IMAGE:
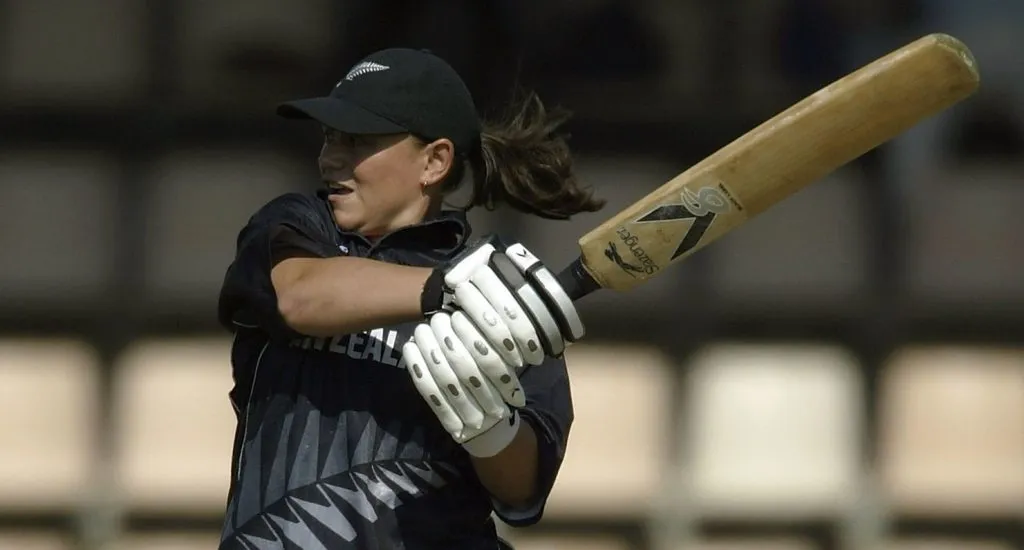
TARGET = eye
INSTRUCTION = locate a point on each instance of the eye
(331, 135)
(357, 144)
(360, 142)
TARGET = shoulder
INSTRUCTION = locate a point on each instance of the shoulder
(304, 215)
(290, 207)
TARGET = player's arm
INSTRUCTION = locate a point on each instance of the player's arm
(321, 296)
(343, 295)
(513, 428)
(466, 363)
(287, 278)
(511, 475)
(520, 477)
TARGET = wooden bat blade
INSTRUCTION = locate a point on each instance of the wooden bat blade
(788, 152)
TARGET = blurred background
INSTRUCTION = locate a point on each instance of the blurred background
(846, 371)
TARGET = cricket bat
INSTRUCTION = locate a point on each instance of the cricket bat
(783, 155)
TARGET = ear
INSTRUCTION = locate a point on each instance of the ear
(439, 157)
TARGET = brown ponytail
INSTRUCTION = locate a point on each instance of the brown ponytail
(525, 163)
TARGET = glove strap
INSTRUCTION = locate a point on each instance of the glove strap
(494, 440)
(436, 294)
(433, 296)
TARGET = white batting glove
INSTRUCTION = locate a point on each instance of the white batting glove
(467, 383)
(513, 299)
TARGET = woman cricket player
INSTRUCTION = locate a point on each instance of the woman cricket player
(395, 382)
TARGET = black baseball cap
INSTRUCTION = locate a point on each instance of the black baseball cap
(394, 91)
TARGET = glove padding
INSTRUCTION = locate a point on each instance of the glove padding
(467, 383)
(511, 297)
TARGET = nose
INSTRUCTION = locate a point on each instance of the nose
(332, 161)
(331, 165)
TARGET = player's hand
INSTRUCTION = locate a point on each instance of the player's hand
(512, 298)
(467, 384)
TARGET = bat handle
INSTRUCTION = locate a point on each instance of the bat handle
(576, 280)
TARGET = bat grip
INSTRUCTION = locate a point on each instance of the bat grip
(576, 281)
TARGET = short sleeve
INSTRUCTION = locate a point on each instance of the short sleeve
(286, 242)
(290, 222)
(549, 412)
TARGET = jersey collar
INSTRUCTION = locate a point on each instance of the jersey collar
(439, 236)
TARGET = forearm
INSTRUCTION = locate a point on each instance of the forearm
(329, 296)
(511, 475)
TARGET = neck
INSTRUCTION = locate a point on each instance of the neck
(414, 214)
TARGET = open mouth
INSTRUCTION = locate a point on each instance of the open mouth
(334, 188)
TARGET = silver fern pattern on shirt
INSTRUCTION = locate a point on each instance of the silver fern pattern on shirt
(305, 501)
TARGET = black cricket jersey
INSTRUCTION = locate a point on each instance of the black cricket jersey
(334, 447)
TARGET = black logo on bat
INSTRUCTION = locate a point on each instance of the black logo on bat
(702, 207)
(613, 254)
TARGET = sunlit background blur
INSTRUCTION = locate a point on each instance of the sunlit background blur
(845, 372)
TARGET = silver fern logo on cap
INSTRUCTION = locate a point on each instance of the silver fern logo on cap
(365, 67)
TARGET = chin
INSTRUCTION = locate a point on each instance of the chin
(346, 221)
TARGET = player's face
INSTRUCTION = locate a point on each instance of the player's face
(375, 181)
